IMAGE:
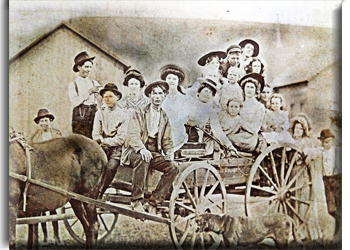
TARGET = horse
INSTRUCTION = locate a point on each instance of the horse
(73, 164)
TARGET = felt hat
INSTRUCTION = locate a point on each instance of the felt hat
(80, 59)
(176, 70)
(162, 84)
(43, 113)
(256, 77)
(326, 133)
(252, 42)
(111, 87)
(234, 48)
(133, 73)
(221, 54)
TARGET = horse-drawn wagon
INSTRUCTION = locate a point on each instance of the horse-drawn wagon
(275, 180)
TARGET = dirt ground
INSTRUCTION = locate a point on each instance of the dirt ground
(130, 233)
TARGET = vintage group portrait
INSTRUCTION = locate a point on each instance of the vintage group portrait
(175, 125)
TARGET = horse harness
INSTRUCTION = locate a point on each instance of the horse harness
(20, 138)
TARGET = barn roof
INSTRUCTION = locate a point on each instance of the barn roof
(67, 26)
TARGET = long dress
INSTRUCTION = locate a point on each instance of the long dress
(174, 106)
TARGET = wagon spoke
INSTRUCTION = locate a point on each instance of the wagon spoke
(213, 188)
(184, 206)
(308, 184)
(103, 222)
(216, 204)
(277, 206)
(290, 168)
(184, 219)
(202, 241)
(274, 169)
(294, 211)
(285, 207)
(300, 200)
(265, 190)
(189, 194)
(268, 177)
(195, 188)
(193, 238)
(74, 222)
(283, 164)
(185, 234)
(295, 178)
(204, 183)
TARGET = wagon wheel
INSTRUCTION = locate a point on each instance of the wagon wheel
(107, 222)
(285, 184)
(189, 199)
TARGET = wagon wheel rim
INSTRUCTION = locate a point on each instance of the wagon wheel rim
(188, 201)
(74, 227)
(288, 184)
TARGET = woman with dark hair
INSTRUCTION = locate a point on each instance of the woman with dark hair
(252, 111)
(265, 95)
(174, 102)
(202, 114)
(135, 83)
(255, 66)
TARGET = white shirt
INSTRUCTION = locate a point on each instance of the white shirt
(330, 162)
(113, 123)
(83, 96)
(153, 122)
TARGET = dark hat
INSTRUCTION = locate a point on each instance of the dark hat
(80, 59)
(326, 133)
(252, 42)
(43, 113)
(254, 76)
(133, 73)
(111, 87)
(162, 84)
(176, 70)
(221, 54)
(234, 48)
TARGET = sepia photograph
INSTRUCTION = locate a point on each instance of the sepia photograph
(175, 124)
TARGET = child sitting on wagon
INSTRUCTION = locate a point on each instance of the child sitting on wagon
(275, 124)
(238, 131)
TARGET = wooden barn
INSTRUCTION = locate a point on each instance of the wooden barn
(40, 73)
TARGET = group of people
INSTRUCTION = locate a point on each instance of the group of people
(230, 101)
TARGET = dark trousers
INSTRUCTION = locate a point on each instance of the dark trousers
(332, 186)
(113, 156)
(83, 120)
(140, 170)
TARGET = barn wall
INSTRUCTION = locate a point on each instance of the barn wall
(40, 77)
(318, 98)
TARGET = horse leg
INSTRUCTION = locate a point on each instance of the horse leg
(55, 228)
(80, 212)
(12, 226)
(44, 228)
(93, 225)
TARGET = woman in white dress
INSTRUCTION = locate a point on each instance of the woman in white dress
(174, 103)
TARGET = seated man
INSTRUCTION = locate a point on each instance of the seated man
(148, 137)
(109, 130)
(45, 132)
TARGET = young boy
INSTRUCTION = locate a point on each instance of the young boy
(231, 89)
(332, 178)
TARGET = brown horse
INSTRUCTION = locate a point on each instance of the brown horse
(73, 164)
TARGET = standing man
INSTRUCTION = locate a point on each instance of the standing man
(232, 60)
(332, 178)
(83, 94)
(149, 136)
(109, 130)
(44, 133)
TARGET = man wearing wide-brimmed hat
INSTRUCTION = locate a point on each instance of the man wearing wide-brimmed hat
(149, 145)
(45, 132)
(110, 129)
(83, 94)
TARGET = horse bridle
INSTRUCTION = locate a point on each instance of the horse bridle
(20, 138)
